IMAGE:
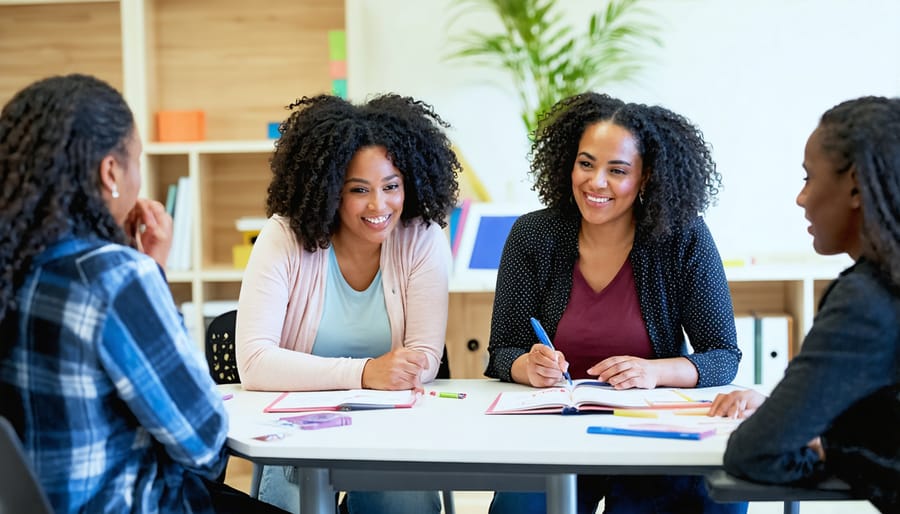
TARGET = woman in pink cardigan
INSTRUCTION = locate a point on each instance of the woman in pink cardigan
(347, 283)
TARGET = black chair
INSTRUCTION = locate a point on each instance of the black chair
(724, 487)
(220, 349)
(223, 368)
(20, 490)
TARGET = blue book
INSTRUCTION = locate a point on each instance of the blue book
(170, 199)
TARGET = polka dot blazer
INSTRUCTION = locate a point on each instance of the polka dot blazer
(680, 283)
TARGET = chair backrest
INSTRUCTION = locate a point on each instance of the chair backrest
(220, 349)
(20, 490)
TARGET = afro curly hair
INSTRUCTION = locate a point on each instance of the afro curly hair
(681, 177)
(322, 135)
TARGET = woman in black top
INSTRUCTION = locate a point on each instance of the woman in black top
(618, 267)
(837, 409)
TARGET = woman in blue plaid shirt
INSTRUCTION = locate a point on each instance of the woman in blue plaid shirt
(114, 405)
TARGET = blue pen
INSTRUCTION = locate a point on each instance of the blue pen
(545, 339)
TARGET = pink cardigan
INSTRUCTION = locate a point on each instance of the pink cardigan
(282, 296)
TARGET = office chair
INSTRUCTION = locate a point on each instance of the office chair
(220, 349)
(223, 369)
(20, 490)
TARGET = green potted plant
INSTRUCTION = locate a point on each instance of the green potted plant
(547, 59)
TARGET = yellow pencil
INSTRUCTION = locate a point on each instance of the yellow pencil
(703, 411)
(679, 393)
(635, 413)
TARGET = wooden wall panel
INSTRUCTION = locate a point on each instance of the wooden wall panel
(241, 62)
(38, 41)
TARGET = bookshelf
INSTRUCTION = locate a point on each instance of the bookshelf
(239, 63)
(242, 64)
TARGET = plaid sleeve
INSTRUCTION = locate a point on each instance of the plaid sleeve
(160, 374)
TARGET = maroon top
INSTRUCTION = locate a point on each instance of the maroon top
(597, 325)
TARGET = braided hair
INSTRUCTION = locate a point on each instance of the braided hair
(864, 134)
(319, 139)
(681, 177)
(53, 136)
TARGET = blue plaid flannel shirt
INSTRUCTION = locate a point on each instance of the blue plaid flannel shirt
(112, 399)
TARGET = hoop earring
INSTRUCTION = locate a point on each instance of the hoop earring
(641, 197)
(115, 191)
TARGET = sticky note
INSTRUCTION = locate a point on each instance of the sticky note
(337, 45)
(339, 87)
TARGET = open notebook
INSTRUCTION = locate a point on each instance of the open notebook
(590, 395)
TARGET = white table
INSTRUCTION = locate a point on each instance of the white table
(444, 443)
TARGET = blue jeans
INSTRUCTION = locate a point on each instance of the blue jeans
(625, 495)
(279, 487)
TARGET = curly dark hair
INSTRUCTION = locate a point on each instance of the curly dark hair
(864, 134)
(53, 136)
(324, 132)
(681, 177)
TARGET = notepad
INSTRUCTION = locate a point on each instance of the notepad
(588, 395)
(655, 430)
(343, 400)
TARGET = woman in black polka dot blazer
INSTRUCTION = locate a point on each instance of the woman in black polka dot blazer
(618, 267)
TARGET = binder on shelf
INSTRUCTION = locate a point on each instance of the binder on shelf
(774, 346)
(765, 344)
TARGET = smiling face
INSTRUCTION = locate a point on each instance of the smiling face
(830, 200)
(372, 198)
(607, 174)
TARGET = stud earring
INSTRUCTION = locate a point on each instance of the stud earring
(115, 191)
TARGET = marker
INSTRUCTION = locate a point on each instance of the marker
(679, 393)
(227, 397)
(635, 413)
(545, 339)
(458, 396)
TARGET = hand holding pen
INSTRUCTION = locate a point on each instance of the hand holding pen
(544, 365)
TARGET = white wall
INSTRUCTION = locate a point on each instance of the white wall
(754, 75)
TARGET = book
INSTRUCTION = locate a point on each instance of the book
(655, 430)
(457, 225)
(589, 395)
(170, 199)
(343, 400)
(180, 252)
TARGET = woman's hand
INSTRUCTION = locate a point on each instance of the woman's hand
(540, 367)
(736, 404)
(151, 226)
(626, 372)
(816, 445)
(396, 370)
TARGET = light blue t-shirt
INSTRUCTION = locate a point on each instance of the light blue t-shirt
(354, 323)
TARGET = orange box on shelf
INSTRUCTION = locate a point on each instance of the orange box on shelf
(180, 126)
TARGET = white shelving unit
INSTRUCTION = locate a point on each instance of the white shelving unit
(242, 65)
